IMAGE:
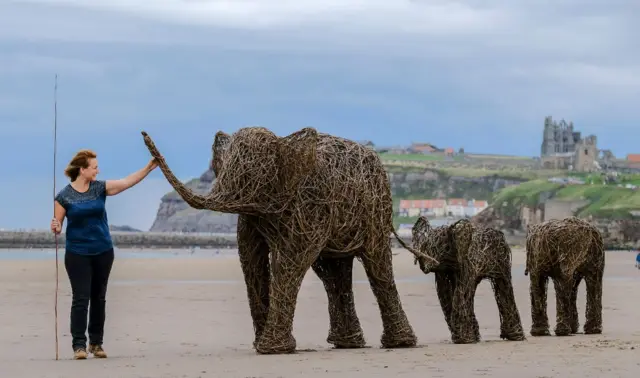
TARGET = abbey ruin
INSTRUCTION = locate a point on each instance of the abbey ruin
(564, 148)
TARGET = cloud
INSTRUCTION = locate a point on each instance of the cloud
(24, 63)
(436, 16)
(519, 59)
(475, 74)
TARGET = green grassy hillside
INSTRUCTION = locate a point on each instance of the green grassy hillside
(604, 200)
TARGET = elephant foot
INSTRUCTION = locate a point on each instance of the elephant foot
(466, 337)
(517, 335)
(285, 345)
(592, 329)
(465, 340)
(574, 328)
(257, 338)
(347, 340)
(562, 330)
(540, 331)
(402, 339)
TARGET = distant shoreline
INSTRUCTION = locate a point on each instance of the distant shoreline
(61, 249)
(133, 240)
(141, 241)
(123, 240)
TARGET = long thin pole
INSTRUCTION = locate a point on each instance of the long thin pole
(55, 134)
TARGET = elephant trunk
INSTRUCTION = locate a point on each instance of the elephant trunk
(192, 199)
(426, 262)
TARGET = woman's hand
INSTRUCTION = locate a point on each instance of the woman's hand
(55, 226)
(153, 164)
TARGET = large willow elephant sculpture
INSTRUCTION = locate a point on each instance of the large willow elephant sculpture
(307, 200)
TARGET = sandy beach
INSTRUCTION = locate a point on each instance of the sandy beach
(187, 316)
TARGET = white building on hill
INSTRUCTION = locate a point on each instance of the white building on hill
(474, 207)
(438, 208)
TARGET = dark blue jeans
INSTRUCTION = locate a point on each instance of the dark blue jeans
(89, 276)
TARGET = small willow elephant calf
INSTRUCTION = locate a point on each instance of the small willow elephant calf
(567, 251)
(467, 255)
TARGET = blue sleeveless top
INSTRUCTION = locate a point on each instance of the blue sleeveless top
(87, 230)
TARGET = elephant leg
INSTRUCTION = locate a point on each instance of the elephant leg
(538, 290)
(254, 260)
(445, 286)
(466, 329)
(510, 323)
(593, 324)
(378, 265)
(337, 276)
(474, 320)
(574, 320)
(288, 270)
(564, 288)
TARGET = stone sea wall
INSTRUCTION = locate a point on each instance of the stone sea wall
(157, 240)
(137, 240)
(134, 240)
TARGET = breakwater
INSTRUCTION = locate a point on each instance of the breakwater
(154, 240)
(122, 239)
(137, 240)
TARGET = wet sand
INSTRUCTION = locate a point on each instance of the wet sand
(188, 316)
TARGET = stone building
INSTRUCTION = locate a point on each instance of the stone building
(564, 148)
(586, 155)
(558, 137)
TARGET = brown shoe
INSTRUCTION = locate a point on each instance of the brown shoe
(80, 354)
(97, 351)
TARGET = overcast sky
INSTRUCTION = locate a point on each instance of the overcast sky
(475, 74)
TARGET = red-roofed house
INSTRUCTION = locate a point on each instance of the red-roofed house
(633, 158)
(414, 208)
(423, 148)
(455, 207)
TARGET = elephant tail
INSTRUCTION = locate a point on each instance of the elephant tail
(416, 253)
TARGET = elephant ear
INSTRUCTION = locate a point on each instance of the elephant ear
(422, 225)
(219, 147)
(297, 156)
(420, 231)
(461, 235)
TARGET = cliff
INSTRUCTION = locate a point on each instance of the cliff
(515, 202)
(174, 215)
(438, 183)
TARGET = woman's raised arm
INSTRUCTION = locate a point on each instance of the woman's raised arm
(114, 187)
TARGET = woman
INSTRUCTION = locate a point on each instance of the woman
(89, 249)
